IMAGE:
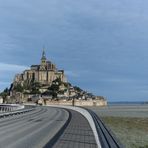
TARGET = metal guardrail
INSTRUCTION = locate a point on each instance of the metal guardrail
(16, 110)
(15, 113)
(106, 137)
(10, 107)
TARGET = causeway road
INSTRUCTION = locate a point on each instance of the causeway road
(41, 128)
(32, 129)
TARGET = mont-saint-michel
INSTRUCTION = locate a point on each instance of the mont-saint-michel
(100, 49)
(44, 83)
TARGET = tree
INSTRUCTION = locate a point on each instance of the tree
(78, 89)
(57, 81)
(67, 84)
(35, 86)
(18, 88)
(47, 92)
(26, 85)
(35, 91)
(6, 90)
(55, 87)
(5, 93)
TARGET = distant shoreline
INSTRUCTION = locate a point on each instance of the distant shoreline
(128, 103)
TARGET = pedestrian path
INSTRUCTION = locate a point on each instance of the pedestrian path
(78, 134)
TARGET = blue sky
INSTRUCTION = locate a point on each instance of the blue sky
(101, 45)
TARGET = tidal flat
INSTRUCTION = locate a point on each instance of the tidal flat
(129, 123)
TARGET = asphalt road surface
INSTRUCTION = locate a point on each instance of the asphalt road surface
(33, 129)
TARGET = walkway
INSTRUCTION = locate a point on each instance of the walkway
(78, 134)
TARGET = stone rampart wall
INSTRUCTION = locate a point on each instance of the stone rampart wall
(79, 102)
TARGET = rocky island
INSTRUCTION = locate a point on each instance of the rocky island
(45, 84)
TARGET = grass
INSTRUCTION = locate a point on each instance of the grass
(132, 132)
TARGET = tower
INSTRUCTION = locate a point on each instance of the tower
(43, 60)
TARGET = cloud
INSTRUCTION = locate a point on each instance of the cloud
(71, 73)
(12, 67)
(4, 83)
(102, 44)
(7, 73)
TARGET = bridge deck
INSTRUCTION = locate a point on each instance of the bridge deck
(78, 134)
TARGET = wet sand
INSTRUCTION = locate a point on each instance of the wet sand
(128, 122)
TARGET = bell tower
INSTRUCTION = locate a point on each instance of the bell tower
(43, 60)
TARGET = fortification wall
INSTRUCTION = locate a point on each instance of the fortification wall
(78, 102)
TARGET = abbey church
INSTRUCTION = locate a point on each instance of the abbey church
(44, 73)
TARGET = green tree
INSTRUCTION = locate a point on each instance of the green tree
(18, 88)
(78, 89)
(4, 94)
(57, 81)
(35, 86)
(67, 84)
(27, 85)
(55, 87)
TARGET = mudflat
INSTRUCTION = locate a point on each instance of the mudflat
(128, 122)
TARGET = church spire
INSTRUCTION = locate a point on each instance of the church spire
(43, 60)
(43, 54)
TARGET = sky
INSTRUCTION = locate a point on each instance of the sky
(101, 44)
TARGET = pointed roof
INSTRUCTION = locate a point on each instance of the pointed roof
(43, 54)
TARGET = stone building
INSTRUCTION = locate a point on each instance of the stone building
(44, 73)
